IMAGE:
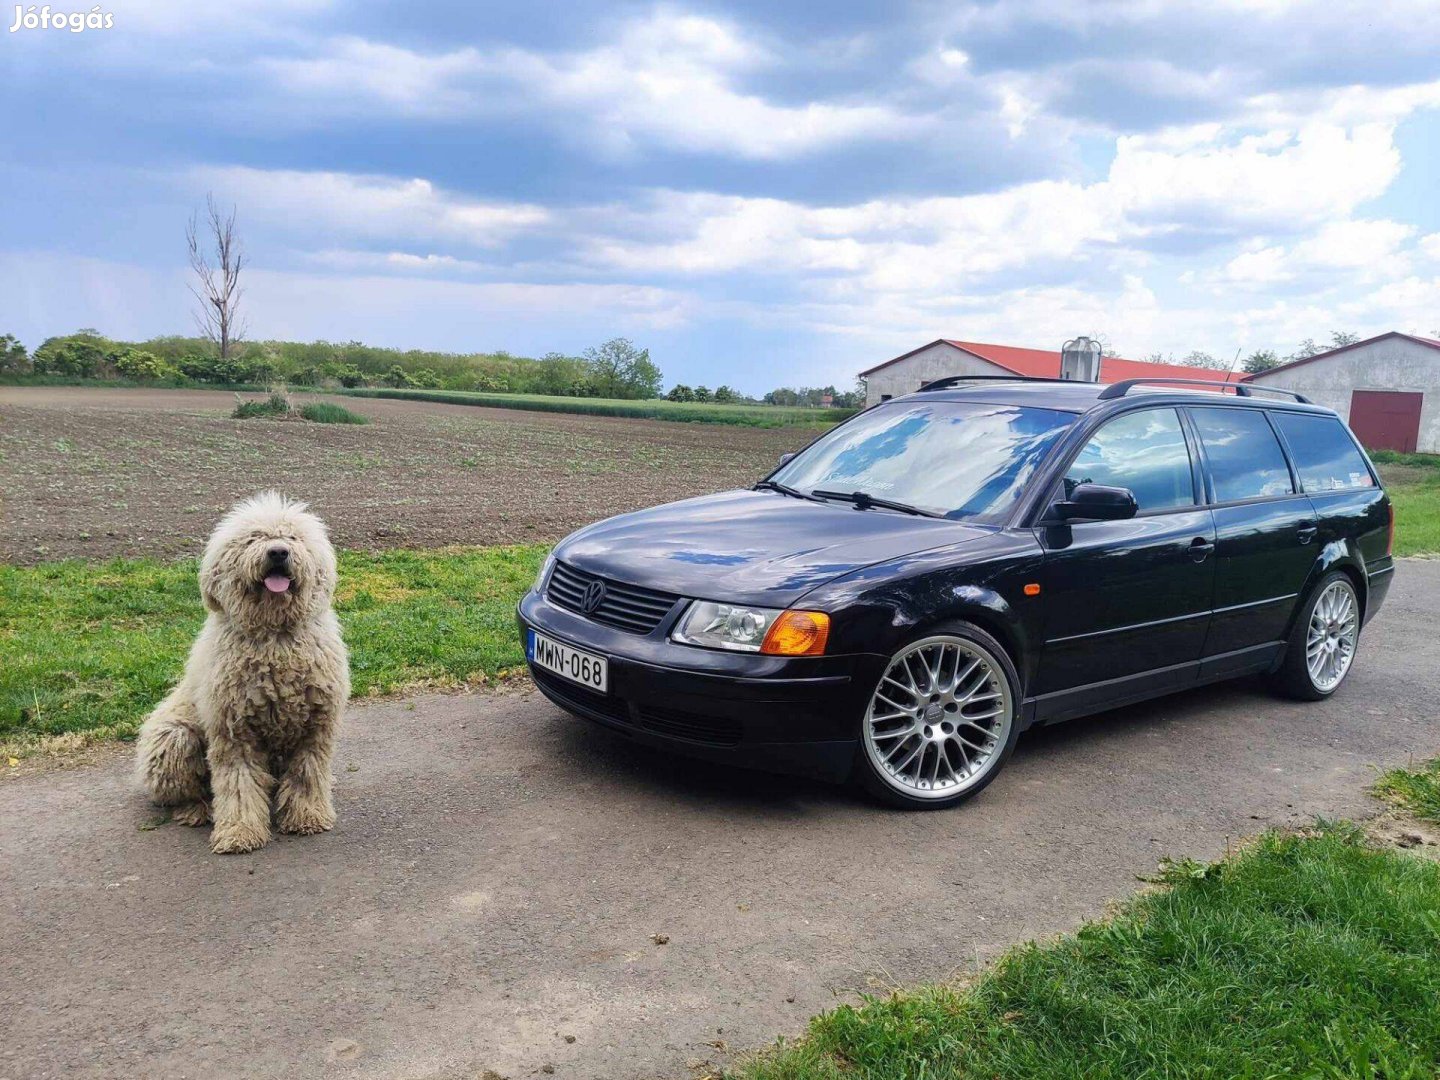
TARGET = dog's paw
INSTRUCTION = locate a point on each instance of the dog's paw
(306, 822)
(237, 839)
(195, 813)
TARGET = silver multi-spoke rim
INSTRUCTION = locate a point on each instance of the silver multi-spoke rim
(1334, 629)
(940, 717)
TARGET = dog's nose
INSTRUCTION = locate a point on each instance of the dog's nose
(278, 554)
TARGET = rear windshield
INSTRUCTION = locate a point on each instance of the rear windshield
(962, 460)
(1325, 455)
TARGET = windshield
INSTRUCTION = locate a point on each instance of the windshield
(962, 460)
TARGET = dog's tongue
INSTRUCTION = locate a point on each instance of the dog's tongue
(277, 583)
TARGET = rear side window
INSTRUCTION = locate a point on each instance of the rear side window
(1245, 458)
(1143, 451)
(1325, 455)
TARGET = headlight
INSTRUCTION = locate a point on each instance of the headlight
(544, 573)
(751, 629)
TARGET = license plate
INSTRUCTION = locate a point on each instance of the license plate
(584, 668)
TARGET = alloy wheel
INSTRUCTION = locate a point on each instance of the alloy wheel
(1330, 641)
(940, 718)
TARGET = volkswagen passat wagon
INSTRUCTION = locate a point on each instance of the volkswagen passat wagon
(897, 602)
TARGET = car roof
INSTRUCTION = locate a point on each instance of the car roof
(1083, 397)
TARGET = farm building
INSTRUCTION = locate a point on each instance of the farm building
(1387, 387)
(908, 372)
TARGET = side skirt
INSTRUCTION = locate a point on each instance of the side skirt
(1077, 701)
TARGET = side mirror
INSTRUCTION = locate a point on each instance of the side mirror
(1096, 502)
(785, 458)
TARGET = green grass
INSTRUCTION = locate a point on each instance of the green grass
(1414, 461)
(90, 648)
(1417, 790)
(279, 406)
(1305, 956)
(274, 405)
(325, 413)
(765, 416)
(1413, 481)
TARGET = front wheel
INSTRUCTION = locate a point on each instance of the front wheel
(1323, 642)
(942, 720)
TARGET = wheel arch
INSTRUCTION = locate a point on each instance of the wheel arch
(1340, 556)
(995, 619)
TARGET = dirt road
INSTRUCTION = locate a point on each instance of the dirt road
(492, 888)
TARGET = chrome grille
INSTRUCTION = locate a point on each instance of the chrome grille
(625, 607)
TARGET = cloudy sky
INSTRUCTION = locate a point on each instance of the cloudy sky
(763, 193)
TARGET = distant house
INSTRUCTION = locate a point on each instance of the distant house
(908, 372)
(1387, 387)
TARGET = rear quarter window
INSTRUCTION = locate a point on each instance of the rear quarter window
(1325, 455)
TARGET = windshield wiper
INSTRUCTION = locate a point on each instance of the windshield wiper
(783, 489)
(865, 501)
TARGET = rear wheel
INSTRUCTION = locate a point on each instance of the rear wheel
(1323, 642)
(942, 720)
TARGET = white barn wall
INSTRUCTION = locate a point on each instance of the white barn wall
(1394, 363)
(930, 363)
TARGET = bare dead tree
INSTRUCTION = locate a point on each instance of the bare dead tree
(216, 286)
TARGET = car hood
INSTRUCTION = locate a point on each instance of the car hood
(753, 547)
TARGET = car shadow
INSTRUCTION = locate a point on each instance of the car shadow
(732, 790)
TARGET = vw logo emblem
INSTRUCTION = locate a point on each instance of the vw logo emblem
(594, 596)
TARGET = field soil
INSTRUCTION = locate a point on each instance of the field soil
(96, 472)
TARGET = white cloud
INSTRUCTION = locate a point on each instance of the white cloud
(354, 75)
(669, 78)
(52, 292)
(1278, 179)
(1258, 267)
(1361, 244)
(370, 206)
(1190, 180)
(397, 261)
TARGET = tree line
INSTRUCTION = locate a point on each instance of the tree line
(1261, 359)
(615, 369)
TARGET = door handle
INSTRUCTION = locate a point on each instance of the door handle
(1306, 533)
(1200, 549)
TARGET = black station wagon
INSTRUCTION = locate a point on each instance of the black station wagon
(898, 601)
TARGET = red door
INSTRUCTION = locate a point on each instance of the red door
(1386, 419)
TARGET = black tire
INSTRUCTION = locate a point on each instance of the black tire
(1292, 678)
(866, 774)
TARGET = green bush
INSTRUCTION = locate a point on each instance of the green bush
(322, 412)
(13, 358)
(142, 365)
(276, 405)
(211, 369)
(81, 355)
(346, 374)
(681, 392)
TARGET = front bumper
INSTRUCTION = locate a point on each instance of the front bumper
(794, 715)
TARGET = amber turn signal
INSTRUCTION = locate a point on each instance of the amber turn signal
(797, 633)
(1032, 589)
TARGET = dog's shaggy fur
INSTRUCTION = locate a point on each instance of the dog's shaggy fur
(258, 708)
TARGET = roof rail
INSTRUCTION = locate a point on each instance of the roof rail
(954, 380)
(1120, 389)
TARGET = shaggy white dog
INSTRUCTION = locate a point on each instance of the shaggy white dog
(258, 708)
